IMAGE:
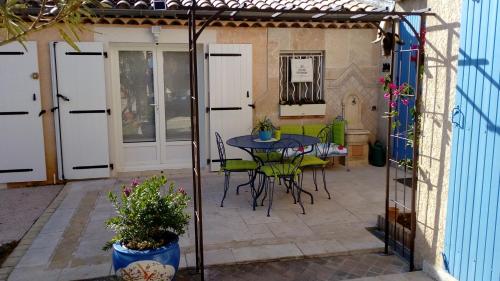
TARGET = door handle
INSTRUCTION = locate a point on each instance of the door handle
(252, 105)
(63, 97)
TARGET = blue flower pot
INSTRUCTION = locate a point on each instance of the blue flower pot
(265, 135)
(157, 264)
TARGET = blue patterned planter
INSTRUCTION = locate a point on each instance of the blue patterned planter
(265, 135)
(152, 265)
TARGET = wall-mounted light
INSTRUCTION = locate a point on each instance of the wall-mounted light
(155, 30)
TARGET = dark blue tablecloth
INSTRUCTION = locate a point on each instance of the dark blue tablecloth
(249, 142)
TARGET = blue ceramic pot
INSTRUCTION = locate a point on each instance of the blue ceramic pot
(158, 264)
(265, 135)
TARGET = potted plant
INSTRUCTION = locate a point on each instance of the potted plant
(147, 227)
(265, 128)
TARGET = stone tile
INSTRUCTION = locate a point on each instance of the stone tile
(213, 257)
(46, 240)
(84, 272)
(266, 252)
(36, 257)
(321, 247)
(36, 273)
(290, 229)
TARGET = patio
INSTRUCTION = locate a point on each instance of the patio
(69, 245)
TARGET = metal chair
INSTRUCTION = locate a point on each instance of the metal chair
(319, 159)
(230, 166)
(285, 170)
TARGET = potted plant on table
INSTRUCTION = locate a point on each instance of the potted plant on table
(265, 128)
(147, 227)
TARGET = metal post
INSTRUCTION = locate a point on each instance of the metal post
(416, 137)
(388, 149)
(195, 140)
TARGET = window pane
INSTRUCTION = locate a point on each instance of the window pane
(177, 101)
(137, 96)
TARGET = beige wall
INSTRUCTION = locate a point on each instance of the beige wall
(438, 100)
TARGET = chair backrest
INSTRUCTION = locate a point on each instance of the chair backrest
(325, 145)
(292, 152)
(338, 131)
(313, 130)
(221, 149)
(292, 129)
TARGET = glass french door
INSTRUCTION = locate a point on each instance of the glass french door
(153, 83)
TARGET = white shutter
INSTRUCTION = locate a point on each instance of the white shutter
(81, 123)
(22, 154)
(230, 95)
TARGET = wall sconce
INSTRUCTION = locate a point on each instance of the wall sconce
(155, 30)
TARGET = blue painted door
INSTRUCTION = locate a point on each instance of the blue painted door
(472, 246)
(405, 71)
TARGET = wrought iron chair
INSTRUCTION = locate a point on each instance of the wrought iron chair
(285, 170)
(230, 166)
(318, 160)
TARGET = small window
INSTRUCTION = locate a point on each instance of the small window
(301, 78)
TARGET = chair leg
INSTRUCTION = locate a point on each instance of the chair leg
(249, 182)
(266, 187)
(314, 179)
(324, 183)
(271, 194)
(299, 191)
(226, 186)
(290, 187)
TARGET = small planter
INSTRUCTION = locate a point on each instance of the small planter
(265, 135)
(158, 264)
(302, 110)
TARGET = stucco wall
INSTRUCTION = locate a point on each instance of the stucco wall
(438, 100)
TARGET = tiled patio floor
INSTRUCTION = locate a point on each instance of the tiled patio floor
(367, 267)
(68, 246)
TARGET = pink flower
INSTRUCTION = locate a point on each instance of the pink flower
(395, 92)
(404, 101)
(135, 182)
(381, 80)
(127, 191)
(387, 96)
(392, 86)
(182, 191)
(392, 104)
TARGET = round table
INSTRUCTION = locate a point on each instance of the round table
(249, 143)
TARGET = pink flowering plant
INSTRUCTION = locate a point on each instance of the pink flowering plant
(147, 217)
(400, 94)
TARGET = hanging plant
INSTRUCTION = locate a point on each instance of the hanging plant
(400, 94)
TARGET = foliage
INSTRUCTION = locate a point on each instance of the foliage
(147, 218)
(18, 19)
(265, 125)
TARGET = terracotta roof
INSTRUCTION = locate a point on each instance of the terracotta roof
(308, 5)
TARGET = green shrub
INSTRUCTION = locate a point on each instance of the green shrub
(146, 217)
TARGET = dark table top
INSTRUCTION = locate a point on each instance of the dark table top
(248, 141)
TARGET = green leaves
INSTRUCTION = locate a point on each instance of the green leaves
(18, 20)
(147, 216)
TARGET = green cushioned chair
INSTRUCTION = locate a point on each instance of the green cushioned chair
(319, 159)
(272, 156)
(313, 130)
(287, 170)
(338, 131)
(231, 166)
(291, 129)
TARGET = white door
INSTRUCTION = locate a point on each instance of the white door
(22, 154)
(151, 90)
(230, 95)
(82, 116)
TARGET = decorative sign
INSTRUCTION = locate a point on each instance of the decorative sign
(301, 70)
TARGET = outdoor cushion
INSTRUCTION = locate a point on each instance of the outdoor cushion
(333, 150)
(338, 131)
(277, 170)
(310, 160)
(313, 130)
(269, 156)
(240, 165)
(292, 129)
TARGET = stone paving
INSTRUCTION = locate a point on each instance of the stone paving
(69, 245)
(363, 267)
(21, 207)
